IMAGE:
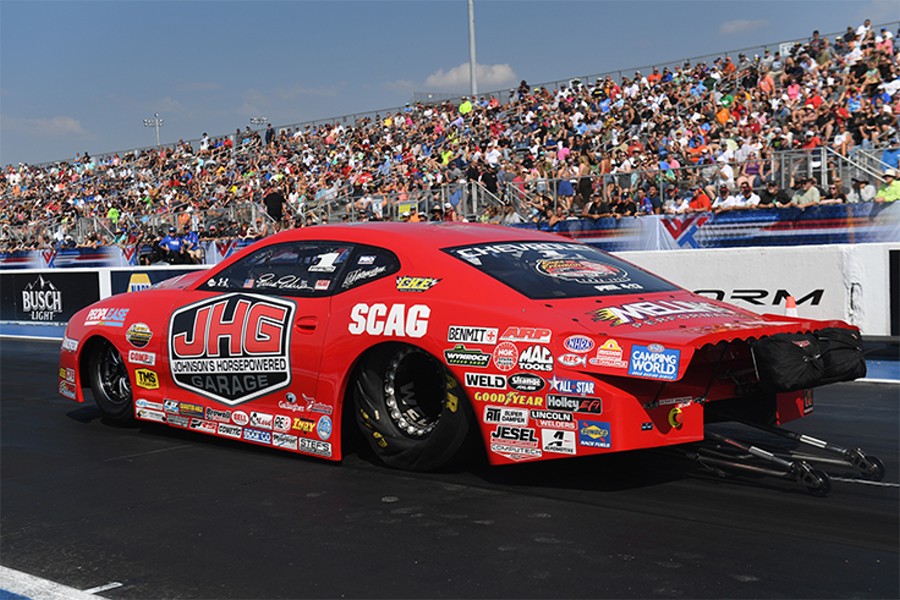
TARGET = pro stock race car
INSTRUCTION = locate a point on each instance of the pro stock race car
(433, 338)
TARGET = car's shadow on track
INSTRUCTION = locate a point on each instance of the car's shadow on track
(602, 473)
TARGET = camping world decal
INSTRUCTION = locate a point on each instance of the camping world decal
(232, 348)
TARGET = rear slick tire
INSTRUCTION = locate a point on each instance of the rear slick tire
(110, 383)
(412, 412)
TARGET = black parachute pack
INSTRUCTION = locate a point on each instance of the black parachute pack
(786, 362)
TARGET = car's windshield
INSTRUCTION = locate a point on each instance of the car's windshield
(545, 270)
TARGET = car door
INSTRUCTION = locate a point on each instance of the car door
(251, 349)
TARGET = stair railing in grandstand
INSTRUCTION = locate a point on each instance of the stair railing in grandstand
(869, 160)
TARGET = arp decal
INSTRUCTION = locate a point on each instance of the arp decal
(378, 319)
(526, 334)
(232, 348)
(654, 361)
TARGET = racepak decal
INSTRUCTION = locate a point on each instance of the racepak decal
(232, 348)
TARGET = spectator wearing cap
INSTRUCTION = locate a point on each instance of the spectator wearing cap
(746, 197)
(724, 201)
(861, 190)
(172, 247)
(449, 213)
(890, 190)
(626, 207)
(807, 194)
(597, 208)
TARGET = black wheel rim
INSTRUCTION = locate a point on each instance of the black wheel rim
(415, 388)
(113, 377)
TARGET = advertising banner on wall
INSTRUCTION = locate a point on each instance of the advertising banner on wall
(46, 297)
(136, 280)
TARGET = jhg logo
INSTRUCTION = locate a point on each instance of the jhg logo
(232, 348)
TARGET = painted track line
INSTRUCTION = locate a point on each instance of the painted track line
(866, 482)
(29, 586)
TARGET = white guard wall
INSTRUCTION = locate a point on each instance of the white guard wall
(841, 281)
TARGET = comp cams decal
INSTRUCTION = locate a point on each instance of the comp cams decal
(232, 348)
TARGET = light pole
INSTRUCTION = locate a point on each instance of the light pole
(155, 122)
(258, 120)
(473, 64)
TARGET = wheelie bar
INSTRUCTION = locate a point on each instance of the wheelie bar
(734, 454)
(866, 466)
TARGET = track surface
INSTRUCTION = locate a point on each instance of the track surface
(170, 514)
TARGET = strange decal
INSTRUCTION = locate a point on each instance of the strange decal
(232, 348)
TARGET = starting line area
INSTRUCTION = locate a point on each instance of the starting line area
(16, 585)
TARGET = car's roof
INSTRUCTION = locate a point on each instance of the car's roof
(433, 235)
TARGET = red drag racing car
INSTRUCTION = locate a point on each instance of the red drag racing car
(430, 338)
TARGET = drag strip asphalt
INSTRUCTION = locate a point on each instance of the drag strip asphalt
(145, 511)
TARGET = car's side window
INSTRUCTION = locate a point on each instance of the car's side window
(368, 263)
(287, 269)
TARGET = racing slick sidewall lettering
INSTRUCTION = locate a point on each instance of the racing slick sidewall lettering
(232, 348)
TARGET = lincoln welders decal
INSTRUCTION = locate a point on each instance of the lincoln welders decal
(232, 348)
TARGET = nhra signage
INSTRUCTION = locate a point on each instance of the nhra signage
(46, 297)
(232, 348)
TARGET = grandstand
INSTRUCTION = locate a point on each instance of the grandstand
(822, 111)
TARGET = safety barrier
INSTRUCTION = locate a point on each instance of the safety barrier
(857, 283)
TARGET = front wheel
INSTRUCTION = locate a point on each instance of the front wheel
(110, 383)
(410, 409)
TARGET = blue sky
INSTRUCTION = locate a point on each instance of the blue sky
(80, 76)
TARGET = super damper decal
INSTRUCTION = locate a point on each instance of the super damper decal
(232, 348)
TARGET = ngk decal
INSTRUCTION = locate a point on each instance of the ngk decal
(378, 319)
(506, 355)
(232, 348)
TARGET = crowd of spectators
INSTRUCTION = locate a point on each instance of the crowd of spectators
(694, 137)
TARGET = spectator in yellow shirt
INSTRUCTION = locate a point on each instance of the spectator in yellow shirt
(890, 190)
